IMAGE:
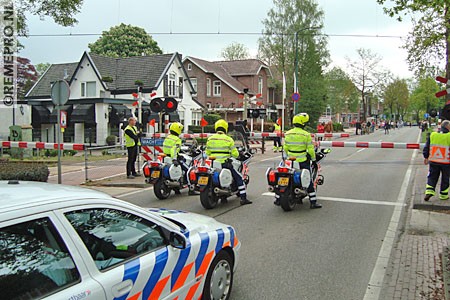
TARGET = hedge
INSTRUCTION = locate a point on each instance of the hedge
(23, 171)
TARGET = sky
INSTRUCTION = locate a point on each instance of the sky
(162, 17)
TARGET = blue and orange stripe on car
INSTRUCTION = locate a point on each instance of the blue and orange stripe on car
(131, 272)
(160, 262)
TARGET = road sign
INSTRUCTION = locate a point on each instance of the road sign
(295, 97)
(60, 92)
(63, 118)
(426, 115)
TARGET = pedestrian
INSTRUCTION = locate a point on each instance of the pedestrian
(436, 154)
(320, 129)
(358, 127)
(298, 144)
(277, 140)
(221, 146)
(386, 127)
(368, 125)
(132, 142)
(328, 129)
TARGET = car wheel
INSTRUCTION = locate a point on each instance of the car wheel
(219, 279)
(161, 190)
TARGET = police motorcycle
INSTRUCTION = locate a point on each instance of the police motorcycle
(291, 182)
(215, 182)
(166, 173)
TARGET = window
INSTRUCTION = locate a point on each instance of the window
(189, 67)
(260, 85)
(181, 114)
(112, 236)
(88, 89)
(172, 85)
(194, 84)
(208, 87)
(217, 88)
(196, 117)
(34, 261)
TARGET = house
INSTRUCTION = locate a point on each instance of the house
(101, 95)
(220, 85)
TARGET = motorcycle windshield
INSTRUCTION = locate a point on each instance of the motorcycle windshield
(239, 140)
(189, 142)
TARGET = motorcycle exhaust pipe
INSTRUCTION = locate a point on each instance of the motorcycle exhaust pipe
(219, 191)
(192, 187)
(297, 191)
(172, 183)
(271, 189)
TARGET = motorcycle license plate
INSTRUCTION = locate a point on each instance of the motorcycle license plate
(155, 174)
(283, 181)
(203, 180)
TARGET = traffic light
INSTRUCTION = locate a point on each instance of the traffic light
(167, 105)
(433, 113)
(252, 113)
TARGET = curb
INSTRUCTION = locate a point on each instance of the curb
(119, 184)
(430, 207)
(446, 271)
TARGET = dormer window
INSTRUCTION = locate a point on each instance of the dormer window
(89, 89)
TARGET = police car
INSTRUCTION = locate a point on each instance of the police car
(62, 242)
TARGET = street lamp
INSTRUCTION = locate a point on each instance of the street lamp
(296, 62)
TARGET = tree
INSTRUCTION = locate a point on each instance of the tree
(342, 94)
(125, 41)
(42, 67)
(422, 97)
(428, 43)
(292, 34)
(396, 97)
(366, 75)
(26, 76)
(61, 11)
(235, 51)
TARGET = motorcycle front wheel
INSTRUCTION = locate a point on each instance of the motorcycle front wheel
(162, 191)
(287, 202)
(208, 198)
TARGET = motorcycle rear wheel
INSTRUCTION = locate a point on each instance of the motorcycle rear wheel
(162, 191)
(287, 202)
(208, 198)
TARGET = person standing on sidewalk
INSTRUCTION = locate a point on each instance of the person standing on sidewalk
(132, 142)
(436, 154)
(277, 140)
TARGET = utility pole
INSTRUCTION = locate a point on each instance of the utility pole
(244, 113)
(296, 71)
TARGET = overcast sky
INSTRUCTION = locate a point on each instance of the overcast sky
(342, 17)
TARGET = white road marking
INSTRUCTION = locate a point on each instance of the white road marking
(272, 158)
(375, 284)
(361, 150)
(359, 201)
(134, 192)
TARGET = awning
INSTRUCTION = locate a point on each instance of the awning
(53, 117)
(39, 115)
(119, 113)
(83, 113)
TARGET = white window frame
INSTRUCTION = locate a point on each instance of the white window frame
(172, 83)
(189, 66)
(208, 87)
(217, 89)
(196, 117)
(260, 85)
(194, 82)
(84, 89)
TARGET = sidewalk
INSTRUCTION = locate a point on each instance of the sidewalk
(415, 269)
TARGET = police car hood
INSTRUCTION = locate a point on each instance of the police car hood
(192, 221)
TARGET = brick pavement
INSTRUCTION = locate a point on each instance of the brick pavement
(415, 267)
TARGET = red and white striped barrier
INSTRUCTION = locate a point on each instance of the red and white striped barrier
(383, 145)
(41, 145)
(251, 134)
(149, 151)
(331, 135)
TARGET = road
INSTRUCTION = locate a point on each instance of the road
(312, 254)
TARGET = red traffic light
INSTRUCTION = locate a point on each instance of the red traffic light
(170, 105)
(156, 105)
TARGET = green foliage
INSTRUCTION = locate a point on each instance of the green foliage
(54, 153)
(111, 140)
(62, 12)
(396, 97)
(338, 127)
(42, 67)
(212, 118)
(292, 30)
(23, 171)
(198, 129)
(235, 51)
(426, 43)
(422, 97)
(342, 94)
(125, 41)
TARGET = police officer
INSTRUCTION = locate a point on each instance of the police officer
(436, 154)
(132, 142)
(277, 139)
(172, 146)
(298, 143)
(222, 147)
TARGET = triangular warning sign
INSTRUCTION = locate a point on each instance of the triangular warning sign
(437, 153)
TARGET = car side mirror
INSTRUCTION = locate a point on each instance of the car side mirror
(177, 240)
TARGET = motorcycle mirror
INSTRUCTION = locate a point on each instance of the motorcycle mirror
(252, 150)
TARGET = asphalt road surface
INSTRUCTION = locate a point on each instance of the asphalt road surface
(328, 253)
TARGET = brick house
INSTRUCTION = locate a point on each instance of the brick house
(220, 85)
